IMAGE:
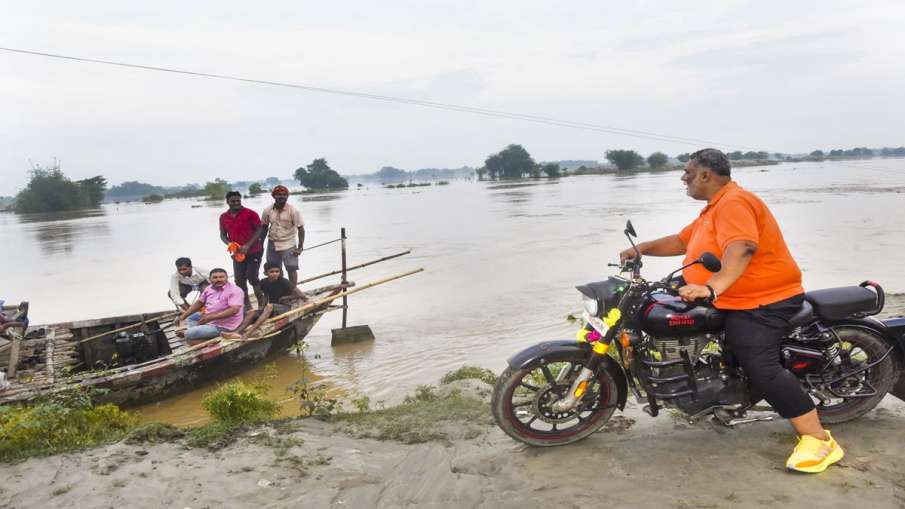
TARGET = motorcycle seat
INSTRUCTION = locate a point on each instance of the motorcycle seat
(842, 302)
(804, 315)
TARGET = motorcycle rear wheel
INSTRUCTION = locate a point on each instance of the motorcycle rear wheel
(522, 402)
(865, 347)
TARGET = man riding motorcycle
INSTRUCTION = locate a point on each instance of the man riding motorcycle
(758, 288)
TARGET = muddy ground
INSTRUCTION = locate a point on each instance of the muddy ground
(635, 462)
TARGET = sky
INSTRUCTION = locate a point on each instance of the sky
(765, 75)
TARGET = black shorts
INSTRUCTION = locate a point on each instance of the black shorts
(754, 337)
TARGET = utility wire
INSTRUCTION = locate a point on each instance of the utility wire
(430, 104)
(401, 100)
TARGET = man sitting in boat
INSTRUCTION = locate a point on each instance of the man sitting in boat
(17, 319)
(279, 293)
(186, 280)
(222, 303)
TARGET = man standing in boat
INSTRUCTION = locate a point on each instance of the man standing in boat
(240, 228)
(185, 280)
(223, 304)
(286, 233)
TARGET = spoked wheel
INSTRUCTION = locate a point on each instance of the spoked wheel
(852, 396)
(523, 402)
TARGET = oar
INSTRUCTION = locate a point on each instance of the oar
(333, 273)
(311, 305)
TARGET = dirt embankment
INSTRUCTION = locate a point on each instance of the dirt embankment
(470, 463)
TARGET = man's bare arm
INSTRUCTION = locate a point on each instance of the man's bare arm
(671, 245)
(735, 260)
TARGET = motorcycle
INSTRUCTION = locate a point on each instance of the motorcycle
(639, 336)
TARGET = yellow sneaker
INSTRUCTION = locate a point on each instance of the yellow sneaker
(812, 455)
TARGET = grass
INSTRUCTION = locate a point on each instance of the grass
(154, 433)
(423, 417)
(470, 372)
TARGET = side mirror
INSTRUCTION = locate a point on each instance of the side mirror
(710, 262)
(629, 229)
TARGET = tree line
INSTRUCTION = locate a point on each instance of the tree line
(50, 190)
(515, 162)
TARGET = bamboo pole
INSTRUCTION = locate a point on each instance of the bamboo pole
(312, 305)
(372, 262)
(15, 339)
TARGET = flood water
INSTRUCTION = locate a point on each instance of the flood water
(501, 260)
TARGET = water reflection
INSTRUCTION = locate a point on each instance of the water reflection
(57, 232)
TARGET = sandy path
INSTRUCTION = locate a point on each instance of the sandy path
(657, 463)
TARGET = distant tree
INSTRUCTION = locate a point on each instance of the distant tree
(255, 189)
(153, 198)
(511, 162)
(552, 170)
(93, 189)
(779, 156)
(49, 190)
(735, 156)
(899, 152)
(480, 172)
(216, 190)
(684, 157)
(131, 190)
(657, 160)
(866, 152)
(536, 172)
(319, 176)
(817, 154)
(272, 181)
(624, 159)
(837, 152)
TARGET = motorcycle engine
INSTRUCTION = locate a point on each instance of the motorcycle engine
(711, 388)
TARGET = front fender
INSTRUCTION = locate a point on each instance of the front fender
(535, 354)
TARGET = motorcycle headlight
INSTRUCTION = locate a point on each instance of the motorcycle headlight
(592, 306)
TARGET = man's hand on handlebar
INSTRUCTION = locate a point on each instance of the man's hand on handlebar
(692, 293)
(627, 254)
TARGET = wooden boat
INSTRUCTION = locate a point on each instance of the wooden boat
(73, 354)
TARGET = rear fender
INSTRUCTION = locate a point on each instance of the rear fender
(534, 355)
(893, 331)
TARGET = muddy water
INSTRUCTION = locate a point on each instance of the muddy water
(501, 260)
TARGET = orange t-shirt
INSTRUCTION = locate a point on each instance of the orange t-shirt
(735, 214)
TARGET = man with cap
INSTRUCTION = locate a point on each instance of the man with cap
(285, 233)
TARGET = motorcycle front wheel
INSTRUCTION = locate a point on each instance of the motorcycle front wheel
(523, 400)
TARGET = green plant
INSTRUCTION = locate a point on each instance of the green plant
(63, 422)
(469, 372)
(237, 403)
(314, 399)
(362, 404)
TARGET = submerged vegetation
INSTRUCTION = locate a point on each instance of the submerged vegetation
(319, 176)
(49, 190)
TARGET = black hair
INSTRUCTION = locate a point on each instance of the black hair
(272, 265)
(233, 193)
(712, 159)
(218, 269)
(183, 262)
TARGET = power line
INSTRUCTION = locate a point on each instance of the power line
(401, 100)
(430, 104)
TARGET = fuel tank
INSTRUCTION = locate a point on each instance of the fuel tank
(669, 316)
